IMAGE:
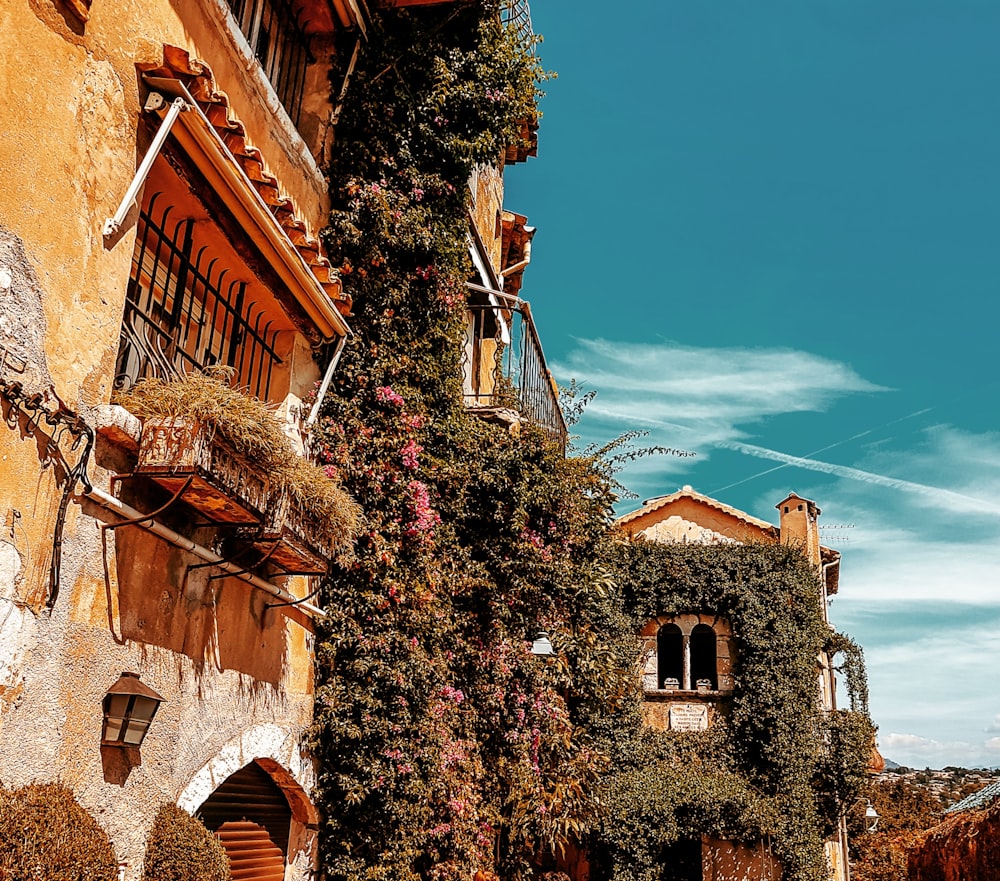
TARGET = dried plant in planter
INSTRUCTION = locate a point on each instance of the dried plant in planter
(46, 833)
(323, 500)
(243, 421)
(250, 428)
(180, 848)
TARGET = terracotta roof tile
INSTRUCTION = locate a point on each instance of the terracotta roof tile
(200, 82)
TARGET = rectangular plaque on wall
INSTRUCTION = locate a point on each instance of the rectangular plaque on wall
(688, 717)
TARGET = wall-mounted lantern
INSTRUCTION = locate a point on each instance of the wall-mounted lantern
(871, 817)
(542, 645)
(129, 707)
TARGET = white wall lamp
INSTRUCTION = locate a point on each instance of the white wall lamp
(542, 645)
(871, 817)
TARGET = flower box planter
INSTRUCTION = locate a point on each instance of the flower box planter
(295, 541)
(223, 486)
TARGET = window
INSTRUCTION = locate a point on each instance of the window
(687, 653)
(192, 302)
(703, 658)
(281, 45)
(670, 656)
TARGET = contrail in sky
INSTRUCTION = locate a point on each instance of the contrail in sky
(846, 440)
(945, 495)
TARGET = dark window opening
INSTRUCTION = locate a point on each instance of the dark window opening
(670, 657)
(703, 658)
(681, 861)
(185, 309)
(281, 45)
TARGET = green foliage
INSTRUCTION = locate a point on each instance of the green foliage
(446, 747)
(905, 811)
(45, 835)
(180, 848)
(853, 668)
(774, 764)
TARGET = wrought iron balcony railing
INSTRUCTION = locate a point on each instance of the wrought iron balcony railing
(503, 366)
(516, 14)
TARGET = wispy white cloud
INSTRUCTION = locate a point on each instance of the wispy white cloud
(709, 392)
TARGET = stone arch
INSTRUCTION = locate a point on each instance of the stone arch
(713, 647)
(277, 750)
(274, 751)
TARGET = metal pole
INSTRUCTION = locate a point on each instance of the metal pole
(154, 102)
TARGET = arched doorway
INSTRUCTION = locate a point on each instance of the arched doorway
(252, 818)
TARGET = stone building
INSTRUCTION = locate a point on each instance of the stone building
(164, 190)
(965, 846)
(163, 187)
(688, 659)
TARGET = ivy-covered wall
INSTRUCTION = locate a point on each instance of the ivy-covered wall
(446, 749)
(445, 746)
(773, 765)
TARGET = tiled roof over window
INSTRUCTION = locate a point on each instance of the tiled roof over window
(197, 77)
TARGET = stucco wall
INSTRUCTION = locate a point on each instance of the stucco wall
(226, 666)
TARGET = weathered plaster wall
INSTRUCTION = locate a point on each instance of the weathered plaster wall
(689, 520)
(226, 665)
(487, 202)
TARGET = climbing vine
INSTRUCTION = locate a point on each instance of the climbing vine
(446, 749)
(774, 766)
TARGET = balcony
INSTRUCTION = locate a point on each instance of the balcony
(223, 454)
(504, 374)
(296, 540)
(194, 464)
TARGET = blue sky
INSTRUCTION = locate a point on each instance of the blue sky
(769, 233)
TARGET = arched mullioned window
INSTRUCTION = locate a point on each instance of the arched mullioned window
(687, 653)
(670, 656)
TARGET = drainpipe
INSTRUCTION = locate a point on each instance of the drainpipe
(325, 385)
(110, 503)
(525, 260)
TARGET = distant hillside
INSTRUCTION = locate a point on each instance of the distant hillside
(908, 802)
(947, 785)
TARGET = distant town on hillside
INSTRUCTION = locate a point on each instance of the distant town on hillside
(950, 784)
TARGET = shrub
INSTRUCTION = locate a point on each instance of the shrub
(180, 848)
(45, 835)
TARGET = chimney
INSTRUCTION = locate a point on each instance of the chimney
(799, 525)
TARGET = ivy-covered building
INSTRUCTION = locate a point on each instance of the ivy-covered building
(702, 659)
